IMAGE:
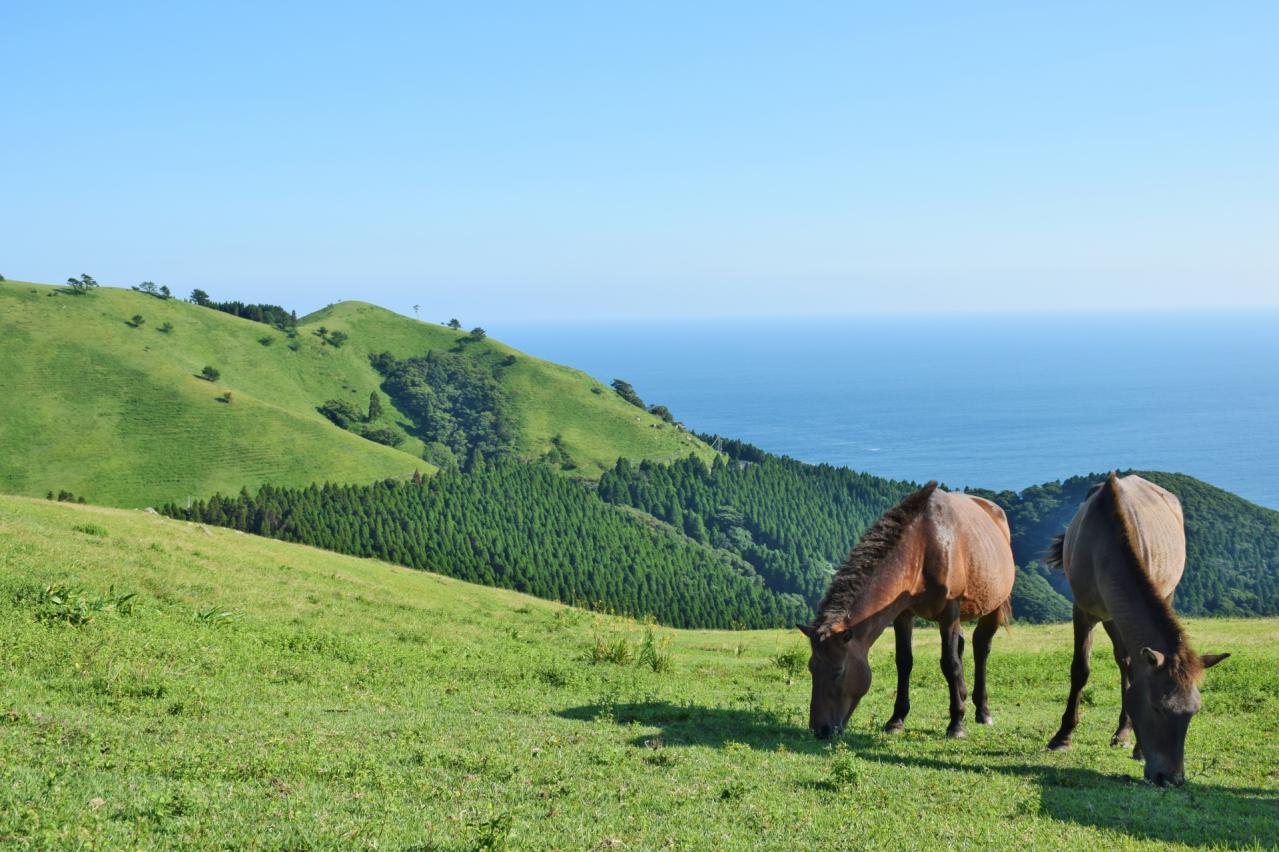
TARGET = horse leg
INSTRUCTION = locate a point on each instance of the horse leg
(982, 637)
(1122, 660)
(1079, 668)
(952, 666)
(902, 629)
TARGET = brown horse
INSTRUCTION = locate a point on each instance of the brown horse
(941, 556)
(1124, 552)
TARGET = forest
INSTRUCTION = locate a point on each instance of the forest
(750, 540)
(520, 526)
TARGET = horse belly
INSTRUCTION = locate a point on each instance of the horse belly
(989, 581)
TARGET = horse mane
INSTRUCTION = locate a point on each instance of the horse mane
(877, 542)
(1183, 664)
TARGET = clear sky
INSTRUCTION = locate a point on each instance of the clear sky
(527, 160)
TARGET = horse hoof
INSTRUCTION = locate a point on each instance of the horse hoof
(1058, 744)
(895, 726)
(1119, 739)
(1137, 753)
(986, 719)
(956, 732)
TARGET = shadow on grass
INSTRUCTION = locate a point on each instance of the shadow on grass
(713, 727)
(1197, 814)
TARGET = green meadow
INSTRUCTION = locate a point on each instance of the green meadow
(167, 685)
(118, 413)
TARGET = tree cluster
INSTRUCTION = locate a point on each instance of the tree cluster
(150, 288)
(83, 284)
(454, 401)
(627, 392)
(272, 315)
(344, 415)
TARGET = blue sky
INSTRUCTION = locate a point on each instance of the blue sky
(578, 161)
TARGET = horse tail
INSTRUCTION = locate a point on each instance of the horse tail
(1006, 611)
(1056, 555)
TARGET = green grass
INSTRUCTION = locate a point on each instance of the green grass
(256, 693)
(117, 413)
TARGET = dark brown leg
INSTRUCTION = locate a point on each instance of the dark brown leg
(902, 629)
(982, 636)
(1122, 660)
(1079, 668)
(952, 666)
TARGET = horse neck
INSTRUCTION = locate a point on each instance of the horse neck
(888, 589)
(1138, 613)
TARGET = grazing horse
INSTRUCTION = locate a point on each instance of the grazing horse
(1124, 553)
(941, 556)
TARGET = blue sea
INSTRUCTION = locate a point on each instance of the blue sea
(1000, 401)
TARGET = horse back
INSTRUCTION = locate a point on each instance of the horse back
(1124, 516)
(968, 556)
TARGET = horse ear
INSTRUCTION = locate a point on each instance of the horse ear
(1155, 658)
(1210, 660)
(807, 630)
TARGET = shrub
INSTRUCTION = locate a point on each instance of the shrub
(604, 651)
(382, 435)
(59, 602)
(791, 662)
(166, 328)
(217, 617)
(210, 374)
(136, 321)
(653, 652)
(845, 770)
(266, 340)
(663, 412)
(225, 397)
(340, 412)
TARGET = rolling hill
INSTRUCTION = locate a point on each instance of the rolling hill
(164, 685)
(106, 402)
(119, 414)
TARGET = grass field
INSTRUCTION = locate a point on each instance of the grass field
(255, 693)
(118, 413)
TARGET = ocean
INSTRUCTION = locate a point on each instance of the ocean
(999, 401)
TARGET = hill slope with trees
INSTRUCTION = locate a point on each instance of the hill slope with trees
(108, 396)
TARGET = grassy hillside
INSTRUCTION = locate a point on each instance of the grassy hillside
(266, 694)
(596, 426)
(118, 414)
